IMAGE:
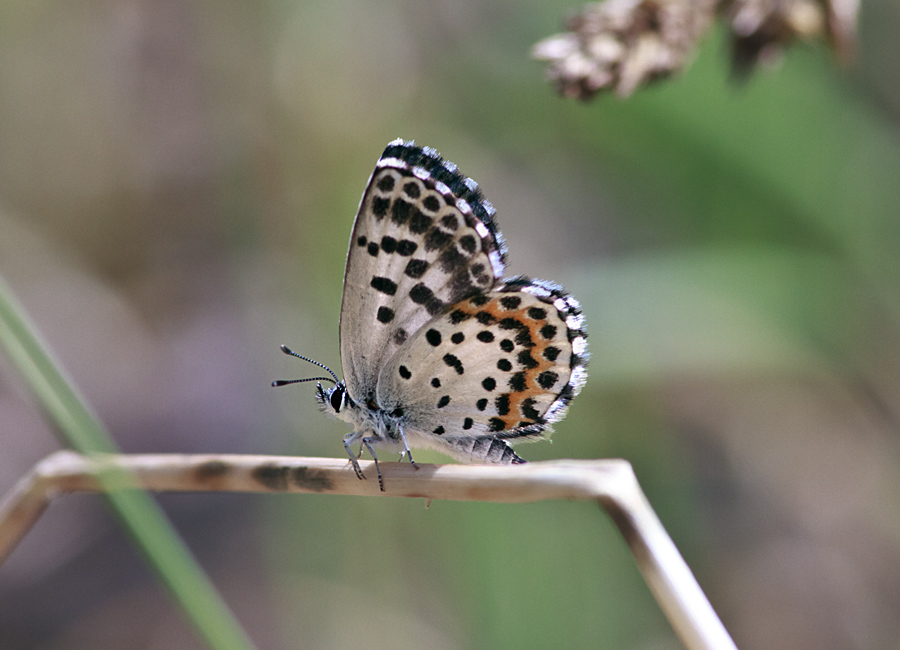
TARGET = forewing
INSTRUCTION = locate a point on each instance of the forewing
(505, 365)
(423, 239)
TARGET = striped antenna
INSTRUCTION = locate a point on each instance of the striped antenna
(285, 382)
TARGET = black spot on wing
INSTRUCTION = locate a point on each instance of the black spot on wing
(380, 207)
(415, 269)
(388, 244)
(528, 410)
(551, 353)
(454, 363)
(419, 222)
(457, 316)
(523, 338)
(412, 190)
(460, 284)
(485, 336)
(547, 379)
(517, 383)
(422, 295)
(485, 318)
(406, 247)
(400, 211)
(384, 285)
(385, 314)
(386, 183)
(524, 358)
(436, 238)
(433, 337)
(479, 272)
(451, 259)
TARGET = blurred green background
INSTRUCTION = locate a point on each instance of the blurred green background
(177, 186)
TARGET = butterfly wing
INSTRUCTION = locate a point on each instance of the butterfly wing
(500, 366)
(424, 238)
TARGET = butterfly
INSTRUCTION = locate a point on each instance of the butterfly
(438, 349)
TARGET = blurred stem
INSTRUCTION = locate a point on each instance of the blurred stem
(141, 516)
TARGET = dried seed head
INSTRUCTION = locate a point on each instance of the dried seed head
(621, 45)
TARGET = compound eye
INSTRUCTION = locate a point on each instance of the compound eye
(337, 398)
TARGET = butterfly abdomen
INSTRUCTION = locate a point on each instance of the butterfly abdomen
(483, 449)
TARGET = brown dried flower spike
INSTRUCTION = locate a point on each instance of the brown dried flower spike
(622, 44)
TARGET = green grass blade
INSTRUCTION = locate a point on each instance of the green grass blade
(136, 509)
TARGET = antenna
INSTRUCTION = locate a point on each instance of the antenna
(285, 382)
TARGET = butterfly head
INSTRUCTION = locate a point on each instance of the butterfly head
(332, 400)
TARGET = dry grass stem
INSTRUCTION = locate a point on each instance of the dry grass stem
(611, 483)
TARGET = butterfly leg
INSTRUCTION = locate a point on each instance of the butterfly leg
(406, 451)
(349, 439)
(368, 444)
